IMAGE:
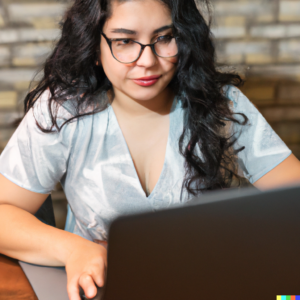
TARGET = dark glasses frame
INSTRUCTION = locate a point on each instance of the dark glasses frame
(109, 42)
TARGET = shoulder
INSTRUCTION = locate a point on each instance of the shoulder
(233, 93)
(45, 111)
(73, 123)
(238, 102)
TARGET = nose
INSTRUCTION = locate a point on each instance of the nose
(147, 58)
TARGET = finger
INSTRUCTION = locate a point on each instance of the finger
(73, 290)
(98, 274)
(88, 285)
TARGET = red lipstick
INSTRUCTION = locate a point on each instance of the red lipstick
(147, 81)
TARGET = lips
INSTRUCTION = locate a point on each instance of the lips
(148, 78)
(147, 81)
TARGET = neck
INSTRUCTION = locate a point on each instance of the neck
(161, 104)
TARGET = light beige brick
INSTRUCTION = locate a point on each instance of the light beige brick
(230, 59)
(20, 12)
(8, 99)
(30, 54)
(2, 21)
(289, 51)
(13, 76)
(267, 18)
(32, 50)
(247, 8)
(24, 62)
(45, 22)
(271, 31)
(289, 11)
(28, 35)
(293, 30)
(258, 58)
(21, 85)
(4, 56)
(228, 32)
(248, 47)
(8, 36)
(39, 35)
(231, 21)
(276, 31)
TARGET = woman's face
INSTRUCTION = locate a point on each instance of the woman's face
(142, 17)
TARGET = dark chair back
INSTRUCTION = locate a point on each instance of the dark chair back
(46, 213)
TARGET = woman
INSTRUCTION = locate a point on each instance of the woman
(127, 126)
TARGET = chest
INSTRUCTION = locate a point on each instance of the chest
(102, 181)
(147, 141)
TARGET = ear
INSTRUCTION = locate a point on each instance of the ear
(98, 60)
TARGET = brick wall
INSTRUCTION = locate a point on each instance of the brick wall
(27, 32)
(259, 38)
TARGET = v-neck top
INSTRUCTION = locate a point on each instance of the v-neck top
(119, 134)
(91, 160)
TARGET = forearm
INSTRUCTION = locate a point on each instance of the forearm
(286, 174)
(24, 237)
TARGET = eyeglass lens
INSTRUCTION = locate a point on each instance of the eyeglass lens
(126, 50)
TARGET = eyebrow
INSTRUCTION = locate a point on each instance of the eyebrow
(128, 31)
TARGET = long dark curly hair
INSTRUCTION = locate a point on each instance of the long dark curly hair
(70, 74)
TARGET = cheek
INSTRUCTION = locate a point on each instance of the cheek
(169, 65)
(173, 60)
(112, 68)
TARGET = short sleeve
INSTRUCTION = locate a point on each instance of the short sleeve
(36, 160)
(264, 149)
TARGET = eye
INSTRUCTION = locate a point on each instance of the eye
(165, 38)
(123, 42)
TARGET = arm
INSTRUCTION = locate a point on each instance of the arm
(26, 238)
(285, 174)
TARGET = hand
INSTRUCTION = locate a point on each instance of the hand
(85, 267)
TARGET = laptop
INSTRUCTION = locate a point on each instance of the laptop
(239, 244)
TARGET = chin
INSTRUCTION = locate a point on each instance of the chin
(144, 95)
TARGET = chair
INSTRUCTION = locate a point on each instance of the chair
(46, 213)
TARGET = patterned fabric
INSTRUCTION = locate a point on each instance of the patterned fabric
(91, 159)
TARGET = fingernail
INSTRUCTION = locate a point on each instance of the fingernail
(91, 292)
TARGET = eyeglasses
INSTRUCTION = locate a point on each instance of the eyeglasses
(128, 51)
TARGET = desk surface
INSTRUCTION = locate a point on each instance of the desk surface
(13, 282)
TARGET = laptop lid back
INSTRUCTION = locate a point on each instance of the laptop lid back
(227, 245)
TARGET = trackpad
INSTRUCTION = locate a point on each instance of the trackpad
(48, 283)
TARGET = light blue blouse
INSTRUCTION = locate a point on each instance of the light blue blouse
(91, 160)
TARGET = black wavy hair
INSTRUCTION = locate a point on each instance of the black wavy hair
(70, 73)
